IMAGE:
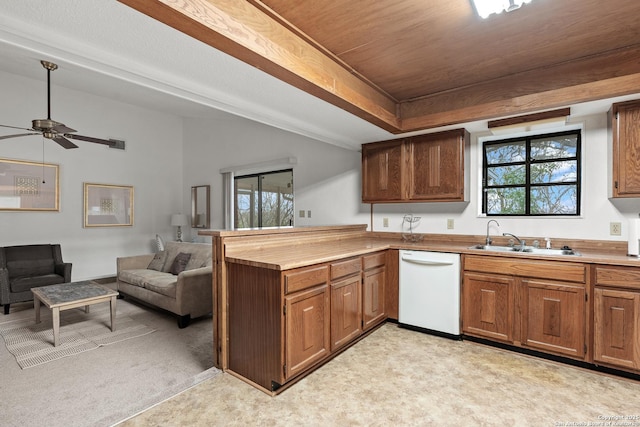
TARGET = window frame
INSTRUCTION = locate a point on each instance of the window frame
(259, 176)
(527, 139)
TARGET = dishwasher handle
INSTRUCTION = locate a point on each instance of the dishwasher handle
(425, 261)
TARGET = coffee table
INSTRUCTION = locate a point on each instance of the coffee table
(66, 296)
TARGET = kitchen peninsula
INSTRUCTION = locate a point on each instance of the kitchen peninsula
(288, 300)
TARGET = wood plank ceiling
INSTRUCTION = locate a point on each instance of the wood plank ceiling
(408, 65)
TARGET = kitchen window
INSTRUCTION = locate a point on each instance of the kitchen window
(264, 200)
(535, 175)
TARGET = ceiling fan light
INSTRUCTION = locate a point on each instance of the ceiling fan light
(487, 7)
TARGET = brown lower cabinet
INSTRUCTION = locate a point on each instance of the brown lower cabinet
(617, 317)
(282, 324)
(541, 305)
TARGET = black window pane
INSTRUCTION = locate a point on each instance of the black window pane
(506, 175)
(506, 201)
(554, 200)
(551, 172)
(506, 153)
(558, 147)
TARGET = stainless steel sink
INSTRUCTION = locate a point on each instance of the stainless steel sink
(526, 249)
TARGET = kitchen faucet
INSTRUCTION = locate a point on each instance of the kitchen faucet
(520, 241)
(488, 239)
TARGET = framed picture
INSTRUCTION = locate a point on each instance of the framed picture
(28, 186)
(108, 205)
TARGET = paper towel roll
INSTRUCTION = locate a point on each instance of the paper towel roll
(634, 237)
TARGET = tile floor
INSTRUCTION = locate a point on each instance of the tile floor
(405, 378)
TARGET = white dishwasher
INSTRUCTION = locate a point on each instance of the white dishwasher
(430, 292)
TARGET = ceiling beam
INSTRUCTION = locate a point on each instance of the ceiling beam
(248, 34)
(588, 79)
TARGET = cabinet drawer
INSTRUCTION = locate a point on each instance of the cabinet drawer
(345, 268)
(619, 277)
(303, 278)
(559, 270)
(374, 260)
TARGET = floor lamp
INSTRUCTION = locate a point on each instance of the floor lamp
(178, 220)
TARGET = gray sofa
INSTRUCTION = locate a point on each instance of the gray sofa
(177, 279)
(30, 266)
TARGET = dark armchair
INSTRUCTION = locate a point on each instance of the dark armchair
(29, 266)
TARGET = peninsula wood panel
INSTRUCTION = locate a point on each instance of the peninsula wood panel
(255, 324)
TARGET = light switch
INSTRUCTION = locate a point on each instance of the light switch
(301, 214)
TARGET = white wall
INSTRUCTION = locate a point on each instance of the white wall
(593, 223)
(326, 177)
(166, 155)
(152, 163)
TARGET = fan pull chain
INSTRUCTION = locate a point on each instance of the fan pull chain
(43, 161)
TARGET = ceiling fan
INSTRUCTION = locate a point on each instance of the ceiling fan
(51, 129)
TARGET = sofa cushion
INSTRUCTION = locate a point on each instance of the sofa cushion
(30, 267)
(157, 263)
(197, 250)
(179, 263)
(165, 285)
(156, 281)
(21, 284)
(138, 277)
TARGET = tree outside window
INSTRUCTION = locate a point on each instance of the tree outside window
(264, 200)
(536, 175)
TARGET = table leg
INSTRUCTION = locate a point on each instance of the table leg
(56, 325)
(86, 308)
(113, 313)
(36, 307)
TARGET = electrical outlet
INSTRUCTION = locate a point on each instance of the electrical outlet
(301, 214)
(308, 214)
(615, 228)
(450, 224)
(385, 222)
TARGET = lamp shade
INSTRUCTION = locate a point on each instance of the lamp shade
(178, 220)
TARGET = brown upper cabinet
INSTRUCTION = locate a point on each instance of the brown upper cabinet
(425, 168)
(624, 126)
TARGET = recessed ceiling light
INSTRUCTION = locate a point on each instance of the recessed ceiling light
(487, 7)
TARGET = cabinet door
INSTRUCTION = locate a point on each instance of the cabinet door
(553, 317)
(626, 149)
(382, 165)
(617, 328)
(436, 166)
(488, 306)
(373, 297)
(307, 329)
(346, 311)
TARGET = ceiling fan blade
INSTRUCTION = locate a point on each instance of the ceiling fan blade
(15, 127)
(60, 128)
(91, 139)
(17, 135)
(64, 142)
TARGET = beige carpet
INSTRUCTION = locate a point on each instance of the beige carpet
(32, 344)
(111, 383)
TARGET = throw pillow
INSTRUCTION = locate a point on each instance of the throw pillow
(158, 261)
(179, 263)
